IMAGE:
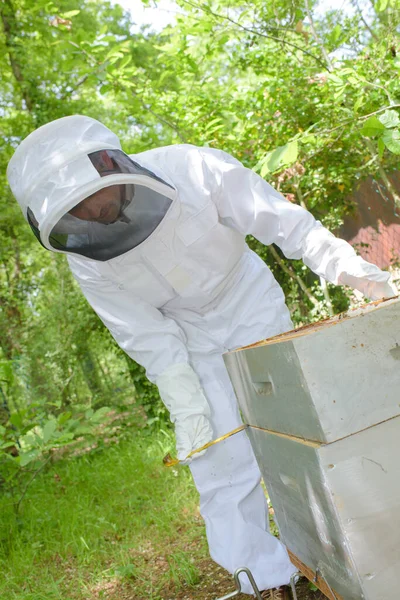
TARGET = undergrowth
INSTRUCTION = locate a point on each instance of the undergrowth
(101, 521)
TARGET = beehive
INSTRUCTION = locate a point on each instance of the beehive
(323, 404)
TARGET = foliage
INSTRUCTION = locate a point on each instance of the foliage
(58, 368)
(309, 99)
(117, 520)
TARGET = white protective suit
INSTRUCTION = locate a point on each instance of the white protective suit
(188, 292)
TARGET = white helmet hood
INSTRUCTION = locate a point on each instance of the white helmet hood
(51, 172)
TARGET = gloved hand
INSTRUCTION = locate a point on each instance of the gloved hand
(384, 290)
(192, 433)
(182, 394)
(367, 278)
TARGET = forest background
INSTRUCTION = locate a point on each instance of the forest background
(309, 98)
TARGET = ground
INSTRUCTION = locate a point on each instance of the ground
(110, 524)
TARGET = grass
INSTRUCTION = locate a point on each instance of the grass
(112, 524)
(109, 524)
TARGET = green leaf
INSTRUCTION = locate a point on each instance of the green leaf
(381, 5)
(114, 52)
(210, 126)
(336, 80)
(127, 83)
(309, 139)
(4, 445)
(27, 457)
(390, 118)
(163, 76)
(106, 88)
(89, 413)
(16, 420)
(70, 13)
(64, 417)
(336, 31)
(100, 414)
(84, 430)
(64, 438)
(48, 430)
(125, 62)
(278, 158)
(371, 127)
(353, 80)
(359, 102)
(339, 92)
(391, 137)
(31, 439)
(108, 38)
(6, 371)
(72, 424)
(114, 58)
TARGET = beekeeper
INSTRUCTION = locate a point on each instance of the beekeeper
(156, 242)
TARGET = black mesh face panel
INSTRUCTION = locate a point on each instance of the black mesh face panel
(140, 214)
(34, 225)
(113, 220)
(109, 162)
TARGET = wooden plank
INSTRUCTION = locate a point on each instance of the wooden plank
(309, 573)
(313, 327)
(287, 436)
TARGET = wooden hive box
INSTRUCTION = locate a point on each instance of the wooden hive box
(323, 404)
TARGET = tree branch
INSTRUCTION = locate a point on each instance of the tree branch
(36, 473)
(207, 10)
(10, 27)
(159, 117)
(322, 281)
(360, 13)
(150, 110)
(80, 82)
(289, 271)
(353, 120)
(317, 38)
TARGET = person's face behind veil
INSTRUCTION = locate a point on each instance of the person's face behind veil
(104, 206)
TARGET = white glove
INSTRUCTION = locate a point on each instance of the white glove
(384, 290)
(371, 288)
(182, 394)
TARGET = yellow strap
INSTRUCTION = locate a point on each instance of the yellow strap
(172, 462)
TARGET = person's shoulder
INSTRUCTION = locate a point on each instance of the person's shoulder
(182, 163)
(184, 152)
(186, 164)
(166, 152)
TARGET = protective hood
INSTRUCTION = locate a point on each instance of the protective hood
(61, 165)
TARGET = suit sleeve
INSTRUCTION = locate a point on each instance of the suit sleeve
(154, 341)
(249, 204)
